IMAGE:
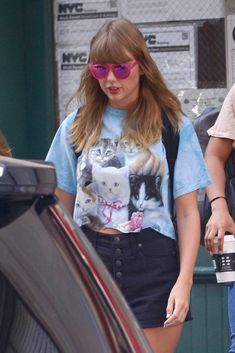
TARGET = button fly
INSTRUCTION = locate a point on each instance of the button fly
(119, 274)
(118, 251)
(118, 263)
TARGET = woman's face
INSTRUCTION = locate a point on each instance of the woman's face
(122, 93)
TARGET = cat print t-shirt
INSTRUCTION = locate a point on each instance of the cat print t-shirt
(119, 184)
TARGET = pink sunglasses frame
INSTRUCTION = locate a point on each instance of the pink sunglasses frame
(129, 66)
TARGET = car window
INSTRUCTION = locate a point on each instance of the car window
(20, 332)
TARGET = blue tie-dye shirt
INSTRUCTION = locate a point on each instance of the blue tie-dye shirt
(118, 184)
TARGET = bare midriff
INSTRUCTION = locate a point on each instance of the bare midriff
(108, 231)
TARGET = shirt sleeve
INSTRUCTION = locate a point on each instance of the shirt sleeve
(224, 126)
(61, 153)
(190, 172)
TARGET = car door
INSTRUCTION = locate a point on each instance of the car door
(58, 281)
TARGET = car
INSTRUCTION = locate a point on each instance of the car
(55, 293)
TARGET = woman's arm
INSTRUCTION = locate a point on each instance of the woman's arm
(217, 153)
(188, 227)
(67, 199)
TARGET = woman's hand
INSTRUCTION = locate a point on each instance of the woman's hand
(216, 155)
(178, 303)
(188, 226)
(219, 222)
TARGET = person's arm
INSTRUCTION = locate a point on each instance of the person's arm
(62, 155)
(188, 227)
(67, 199)
(217, 152)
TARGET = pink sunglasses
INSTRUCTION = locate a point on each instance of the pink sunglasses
(120, 71)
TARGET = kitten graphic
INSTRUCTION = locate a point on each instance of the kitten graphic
(103, 153)
(86, 204)
(113, 189)
(140, 161)
(146, 198)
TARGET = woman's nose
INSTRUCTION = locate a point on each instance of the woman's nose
(111, 76)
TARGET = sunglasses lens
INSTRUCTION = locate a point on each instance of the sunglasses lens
(99, 71)
(121, 71)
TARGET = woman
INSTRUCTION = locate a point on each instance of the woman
(118, 189)
(218, 150)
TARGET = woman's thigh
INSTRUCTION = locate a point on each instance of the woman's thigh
(164, 339)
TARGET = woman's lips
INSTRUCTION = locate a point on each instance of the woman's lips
(113, 90)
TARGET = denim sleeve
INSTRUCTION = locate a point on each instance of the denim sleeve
(190, 172)
(61, 153)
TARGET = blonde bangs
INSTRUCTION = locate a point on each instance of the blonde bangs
(109, 54)
(111, 46)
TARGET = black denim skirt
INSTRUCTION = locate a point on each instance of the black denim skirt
(145, 266)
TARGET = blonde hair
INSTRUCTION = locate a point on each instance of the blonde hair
(119, 41)
(4, 148)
